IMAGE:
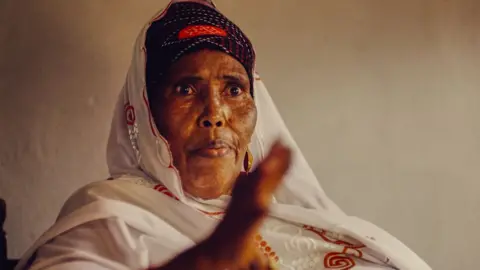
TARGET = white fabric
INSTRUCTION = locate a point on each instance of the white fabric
(127, 223)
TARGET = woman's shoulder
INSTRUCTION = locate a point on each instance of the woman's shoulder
(82, 196)
(98, 190)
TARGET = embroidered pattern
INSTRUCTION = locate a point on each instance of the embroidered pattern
(162, 189)
(212, 213)
(338, 260)
(132, 127)
(328, 237)
(261, 243)
(265, 248)
(130, 114)
(201, 30)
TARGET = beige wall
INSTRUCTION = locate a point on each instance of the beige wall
(382, 96)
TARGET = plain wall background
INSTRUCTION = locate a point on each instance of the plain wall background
(383, 97)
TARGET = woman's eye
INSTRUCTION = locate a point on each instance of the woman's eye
(235, 91)
(184, 90)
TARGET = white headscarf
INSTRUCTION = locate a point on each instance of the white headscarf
(130, 144)
(137, 151)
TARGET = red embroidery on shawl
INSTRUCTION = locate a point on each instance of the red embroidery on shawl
(339, 261)
(162, 189)
(201, 30)
(130, 114)
(265, 248)
(326, 238)
(212, 213)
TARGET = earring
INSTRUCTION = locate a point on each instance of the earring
(248, 161)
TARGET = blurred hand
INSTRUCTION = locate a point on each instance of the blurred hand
(232, 245)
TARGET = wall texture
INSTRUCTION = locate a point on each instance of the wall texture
(382, 96)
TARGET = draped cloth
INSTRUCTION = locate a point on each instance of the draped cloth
(143, 217)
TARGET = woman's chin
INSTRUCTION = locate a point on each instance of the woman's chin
(206, 193)
(209, 186)
(209, 178)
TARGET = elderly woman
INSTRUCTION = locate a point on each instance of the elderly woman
(190, 122)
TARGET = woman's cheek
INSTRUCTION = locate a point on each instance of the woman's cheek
(245, 118)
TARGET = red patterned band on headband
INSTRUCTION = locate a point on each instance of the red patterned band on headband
(201, 30)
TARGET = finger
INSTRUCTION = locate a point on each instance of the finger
(264, 263)
(253, 192)
(269, 174)
(258, 261)
(251, 198)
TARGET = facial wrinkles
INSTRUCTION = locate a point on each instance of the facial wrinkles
(211, 75)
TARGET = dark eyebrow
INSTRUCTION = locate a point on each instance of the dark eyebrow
(236, 78)
(190, 79)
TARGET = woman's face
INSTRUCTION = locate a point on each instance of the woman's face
(206, 112)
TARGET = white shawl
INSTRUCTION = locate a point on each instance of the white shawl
(127, 223)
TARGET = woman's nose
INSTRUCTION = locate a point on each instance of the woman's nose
(213, 115)
(211, 121)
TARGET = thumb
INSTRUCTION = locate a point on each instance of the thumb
(252, 195)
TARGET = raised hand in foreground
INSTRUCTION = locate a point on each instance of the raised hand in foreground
(232, 245)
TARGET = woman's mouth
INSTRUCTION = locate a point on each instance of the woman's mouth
(210, 152)
(214, 149)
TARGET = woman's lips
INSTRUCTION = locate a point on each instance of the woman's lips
(216, 148)
(210, 152)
